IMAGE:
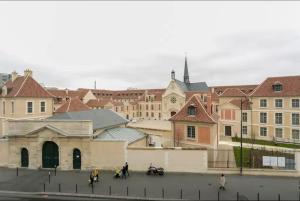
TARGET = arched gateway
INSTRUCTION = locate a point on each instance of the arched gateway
(50, 155)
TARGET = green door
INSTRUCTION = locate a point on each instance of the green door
(50, 155)
(24, 157)
(76, 159)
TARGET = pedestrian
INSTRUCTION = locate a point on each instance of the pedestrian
(123, 172)
(91, 180)
(222, 182)
(126, 168)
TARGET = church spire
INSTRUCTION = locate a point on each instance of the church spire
(186, 77)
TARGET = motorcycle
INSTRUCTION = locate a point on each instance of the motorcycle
(155, 171)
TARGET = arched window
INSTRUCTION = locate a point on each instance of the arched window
(76, 159)
(24, 157)
(191, 110)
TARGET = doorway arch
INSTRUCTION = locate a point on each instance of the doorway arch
(24, 157)
(173, 113)
(50, 156)
(76, 159)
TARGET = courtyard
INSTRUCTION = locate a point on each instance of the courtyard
(186, 186)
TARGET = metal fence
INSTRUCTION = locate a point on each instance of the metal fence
(252, 158)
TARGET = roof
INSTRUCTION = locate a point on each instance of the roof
(124, 134)
(233, 92)
(26, 86)
(245, 104)
(290, 87)
(98, 102)
(151, 124)
(196, 86)
(101, 118)
(201, 113)
(72, 105)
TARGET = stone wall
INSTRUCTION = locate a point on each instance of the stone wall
(3, 152)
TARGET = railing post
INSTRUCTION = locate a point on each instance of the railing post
(199, 195)
(59, 189)
(145, 194)
(181, 194)
(49, 175)
(163, 193)
(257, 196)
(127, 192)
(76, 190)
(218, 195)
(17, 171)
(279, 197)
(237, 196)
(109, 190)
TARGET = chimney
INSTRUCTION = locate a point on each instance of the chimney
(212, 90)
(209, 106)
(14, 75)
(28, 72)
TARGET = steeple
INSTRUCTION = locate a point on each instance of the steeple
(186, 77)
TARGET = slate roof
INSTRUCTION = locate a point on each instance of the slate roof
(124, 134)
(201, 114)
(290, 87)
(101, 118)
(196, 86)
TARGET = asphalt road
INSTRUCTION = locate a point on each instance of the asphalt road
(141, 185)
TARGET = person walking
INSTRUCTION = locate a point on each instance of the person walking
(123, 172)
(222, 182)
(126, 168)
(91, 180)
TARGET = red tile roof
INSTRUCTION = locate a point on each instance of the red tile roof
(232, 92)
(97, 103)
(26, 86)
(290, 87)
(201, 113)
(72, 105)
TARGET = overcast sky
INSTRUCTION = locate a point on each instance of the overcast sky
(137, 44)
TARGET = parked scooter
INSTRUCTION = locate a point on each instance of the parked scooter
(155, 171)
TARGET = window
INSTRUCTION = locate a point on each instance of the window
(263, 131)
(152, 107)
(245, 130)
(277, 87)
(159, 115)
(278, 103)
(191, 132)
(295, 134)
(152, 114)
(43, 106)
(29, 107)
(295, 119)
(191, 110)
(173, 99)
(146, 114)
(278, 118)
(263, 103)
(278, 132)
(146, 107)
(3, 105)
(217, 108)
(244, 117)
(116, 109)
(140, 107)
(12, 107)
(263, 117)
(295, 103)
(158, 106)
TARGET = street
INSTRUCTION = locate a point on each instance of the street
(169, 186)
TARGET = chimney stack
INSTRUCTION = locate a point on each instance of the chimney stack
(14, 75)
(28, 72)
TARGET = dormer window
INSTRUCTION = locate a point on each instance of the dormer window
(191, 110)
(277, 87)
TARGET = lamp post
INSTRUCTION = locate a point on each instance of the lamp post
(241, 151)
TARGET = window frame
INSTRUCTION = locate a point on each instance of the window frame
(276, 129)
(260, 117)
(43, 101)
(190, 109)
(293, 119)
(245, 128)
(275, 102)
(292, 102)
(292, 134)
(275, 118)
(193, 130)
(266, 102)
(260, 131)
(244, 117)
(32, 107)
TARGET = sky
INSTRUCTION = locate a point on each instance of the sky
(133, 44)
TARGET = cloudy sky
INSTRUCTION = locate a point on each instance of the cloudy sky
(137, 44)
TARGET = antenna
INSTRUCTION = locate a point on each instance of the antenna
(95, 84)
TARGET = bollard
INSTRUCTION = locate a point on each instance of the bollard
(237, 196)
(17, 171)
(163, 193)
(279, 197)
(59, 189)
(199, 195)
(44, 187)
(257, 196)
(218, 195)
(145, 194)
(109, 190)
(127, 191)
(181, 194)
(76, 191)
(93, 188)
(55, 170)
(49, 174)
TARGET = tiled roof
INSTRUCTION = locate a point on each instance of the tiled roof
(97, 102)
(101, 118)
(201, 113)
(197, 86)
(290, 87)
(237, 102)
(232, 92)
(26, 86)
(72, 105)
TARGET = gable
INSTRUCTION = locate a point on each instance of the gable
(173, 88)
